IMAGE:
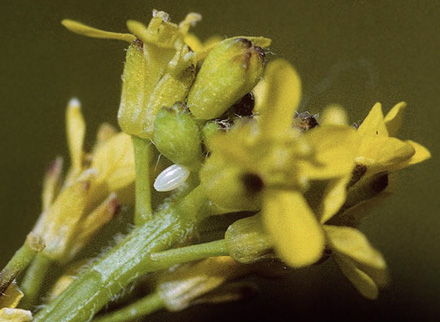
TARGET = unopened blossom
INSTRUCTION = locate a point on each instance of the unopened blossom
(76, 208)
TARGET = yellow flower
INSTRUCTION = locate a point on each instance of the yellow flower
(378, 150)
(8, 303)
(268, 164)
(90, 194)
(376, 154)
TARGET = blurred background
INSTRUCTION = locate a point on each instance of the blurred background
(353, 53)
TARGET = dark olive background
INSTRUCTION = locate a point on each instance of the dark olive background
(349, 52)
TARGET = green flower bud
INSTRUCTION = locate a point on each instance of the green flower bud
(159, 71)
(177, 136)
(230, 70)
(247, 241)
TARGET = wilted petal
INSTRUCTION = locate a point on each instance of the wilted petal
(277, 96)
(58, 225)
(15, 315)
(363, 283)
(297, 236)
(393, 120)
(93, 222)
(11, 297)
(52, 183)
(374, 123)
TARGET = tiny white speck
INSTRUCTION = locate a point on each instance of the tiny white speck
(74, 102)
(171, 178)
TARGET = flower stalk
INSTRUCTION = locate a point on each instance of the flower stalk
(142, 156)
(21, 260)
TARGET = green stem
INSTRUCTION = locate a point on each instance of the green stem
(130, 259)
(142, 151)
(150, 304)
(20, 261)
(34, 280)
(191, 253)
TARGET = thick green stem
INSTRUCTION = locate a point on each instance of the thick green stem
(142, 151)
(34, 280)
(143, 307)
(20, 261)
(128, 260)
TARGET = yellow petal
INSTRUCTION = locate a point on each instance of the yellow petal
(334, 197)
(193, 42)
(93, 222)
(421, 154)
(105, 132)
(386, 152)
(334, 115)
(333, 156)
(85, 30)
(393, 120)
(353, 244)
(15, 315)
(363, 283)
(297, 236)
(11, 297)
(114, 162)
(277, 96)
(76, 130)
(190, 20)
(374, 123)
(206, 47)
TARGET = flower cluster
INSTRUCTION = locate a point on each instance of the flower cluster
(238, 158)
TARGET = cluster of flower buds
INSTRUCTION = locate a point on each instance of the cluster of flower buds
(226, 119)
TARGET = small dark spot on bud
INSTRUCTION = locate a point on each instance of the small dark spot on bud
(138, 43)
(377, 132)
(261, 53)
(380, 182)
(246, 42)
(358, 171)
(253, 183)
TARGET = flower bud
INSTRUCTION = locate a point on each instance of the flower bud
(230, 70)
(246, 240)
(177, 136)
(159, 71)
(179, 288)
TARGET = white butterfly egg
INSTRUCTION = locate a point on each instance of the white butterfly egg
(171, 178)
